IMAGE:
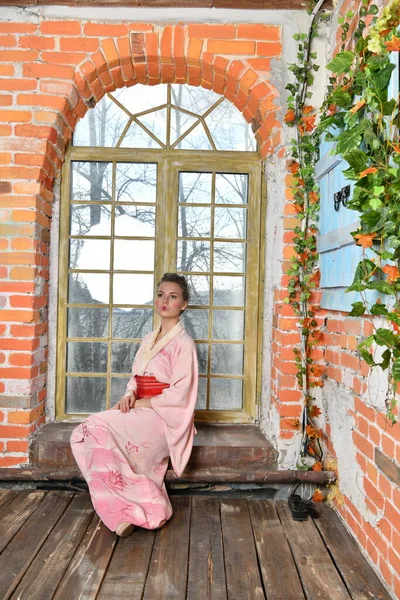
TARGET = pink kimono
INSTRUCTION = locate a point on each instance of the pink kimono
(124, 456)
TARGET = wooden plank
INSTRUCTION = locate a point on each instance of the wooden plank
(273, 549)
(318, 573)
(241, 567)
(206, 564)
(49, 565)
(126, 575)
(25, 544)
(14, 516)
(359, 577)
(7, 496)
(85, 572)
(167, 575)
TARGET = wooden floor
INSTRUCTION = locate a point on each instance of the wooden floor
(52, 545)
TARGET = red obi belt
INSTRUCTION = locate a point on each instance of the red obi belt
(148, 386)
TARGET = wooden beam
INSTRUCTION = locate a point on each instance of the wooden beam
(241, 4)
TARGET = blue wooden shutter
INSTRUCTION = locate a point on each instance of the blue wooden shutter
(339, 255)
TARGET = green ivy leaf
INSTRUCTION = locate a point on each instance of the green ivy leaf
(357, 159)
(366, 343)
(341, 63)
(382, 286)
(384, 337)
(386, 356)
(379, 309)
(349, 140)
(358, 309)
(367, 356)
(396, 369)
(375, 203)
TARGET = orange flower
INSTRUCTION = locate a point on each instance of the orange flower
(318, 383)
(315, 412)
(396, 149)
(290, 116)
(332, 109)
(318, 496)
(307, 110)
(317, 370)
(313, 197)
(294, 167)
(357, 106)
(392, 273)
(299, 208)
(365, 240)
(393, 45)
(311, 432)
(309, 122)
(317, 466)
(368, 171)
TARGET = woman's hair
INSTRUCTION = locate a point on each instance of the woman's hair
(178, 279)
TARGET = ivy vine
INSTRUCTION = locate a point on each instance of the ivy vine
(363, 123)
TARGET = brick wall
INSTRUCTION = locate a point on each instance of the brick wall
(50, 73)
(354, 428)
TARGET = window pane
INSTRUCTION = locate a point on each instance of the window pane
(133, 289)
(195, 187)
(196, 323)
(195, 99)
(196, 139)
(193, 255)
(89, 254)
(199, 287)
(156, 122)
(141, 97)
(229, 291)
(87, 357)
(137, 137)
(91, 181)
(194, 221)
(229, 129)
(133, 255)
(228, 325)
(135, 221)
(180, 122)
(230, 223)
(226, 394)
(227, 359)
(118, 389)
(230, 257)
(86, 394)
(88, 322)
(102, 126)
(136, 182)
(90, 219)
(88, 288)
(231, 188)
(122, 356)
(201, 403)
(202, 355)
(132, 323)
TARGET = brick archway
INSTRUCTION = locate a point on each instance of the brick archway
(59, 83)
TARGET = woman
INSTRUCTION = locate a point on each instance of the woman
(123, 453)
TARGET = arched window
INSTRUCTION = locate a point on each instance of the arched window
(163, 178)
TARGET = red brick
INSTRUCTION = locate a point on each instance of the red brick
(36, 42)
(231, 47)
(60, 28)
(363, 445)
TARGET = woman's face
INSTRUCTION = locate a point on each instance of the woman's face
(169, 300)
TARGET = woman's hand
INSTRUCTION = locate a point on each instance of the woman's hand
(126, 402)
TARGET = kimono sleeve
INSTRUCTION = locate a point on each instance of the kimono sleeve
(132, 382)
(176, 406)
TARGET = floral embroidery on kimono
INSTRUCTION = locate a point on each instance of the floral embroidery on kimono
(124, 456)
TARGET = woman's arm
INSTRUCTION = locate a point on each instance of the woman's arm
(143, 403)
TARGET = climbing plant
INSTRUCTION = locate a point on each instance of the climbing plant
(363, 123)
(362, 120)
